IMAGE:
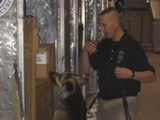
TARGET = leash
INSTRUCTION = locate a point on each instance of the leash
(94, 98)
(125, 104)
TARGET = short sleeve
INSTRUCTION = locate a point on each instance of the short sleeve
(138, 59)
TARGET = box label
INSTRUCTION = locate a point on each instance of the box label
(42, 58)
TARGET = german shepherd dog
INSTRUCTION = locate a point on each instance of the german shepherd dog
(72, 104)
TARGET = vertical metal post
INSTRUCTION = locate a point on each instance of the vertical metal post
(60, 44)
(20, 20)
(83, 22)
(104, 4)
(107, 4)
(94, 75)
(84, 36)
(67, 34)
(95, 20)
(61, 39)
(141, 41)
(75, 36)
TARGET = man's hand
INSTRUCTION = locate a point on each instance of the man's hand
(90, 46)
(123, 73)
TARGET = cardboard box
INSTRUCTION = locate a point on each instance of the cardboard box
(44, 99)
(38, 88)
(44, 60)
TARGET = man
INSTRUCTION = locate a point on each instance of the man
(122, 65)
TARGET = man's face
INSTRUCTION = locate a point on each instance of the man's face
(107, 26)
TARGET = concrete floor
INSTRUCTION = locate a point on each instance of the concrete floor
(150, 93)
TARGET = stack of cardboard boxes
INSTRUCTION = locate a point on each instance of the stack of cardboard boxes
(39, 60)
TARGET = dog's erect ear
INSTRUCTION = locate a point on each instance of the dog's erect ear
(81, 80)
(51, 76)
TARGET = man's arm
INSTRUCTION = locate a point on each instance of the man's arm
(142, 76)
(85, 67)
(145, 76)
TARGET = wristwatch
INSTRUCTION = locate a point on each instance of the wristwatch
(132, 75)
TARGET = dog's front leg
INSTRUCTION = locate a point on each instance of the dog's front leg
(60, 114)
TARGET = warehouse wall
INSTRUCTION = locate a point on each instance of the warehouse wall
(150, 93)
(8, 55)
(140, 20)
(141, 30)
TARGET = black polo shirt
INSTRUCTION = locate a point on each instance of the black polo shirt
(125, 53)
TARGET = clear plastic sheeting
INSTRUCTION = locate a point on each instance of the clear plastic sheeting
(8, 54)
(93, 8)
(100, 4)
(46, 13)
(89, 19)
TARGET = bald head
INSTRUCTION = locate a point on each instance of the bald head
(109, 22)
(112, 14)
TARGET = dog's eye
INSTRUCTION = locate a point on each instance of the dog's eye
(69, 86)
(68, 76)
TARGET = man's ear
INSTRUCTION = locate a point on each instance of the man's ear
(81, 80)
(116, 25)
